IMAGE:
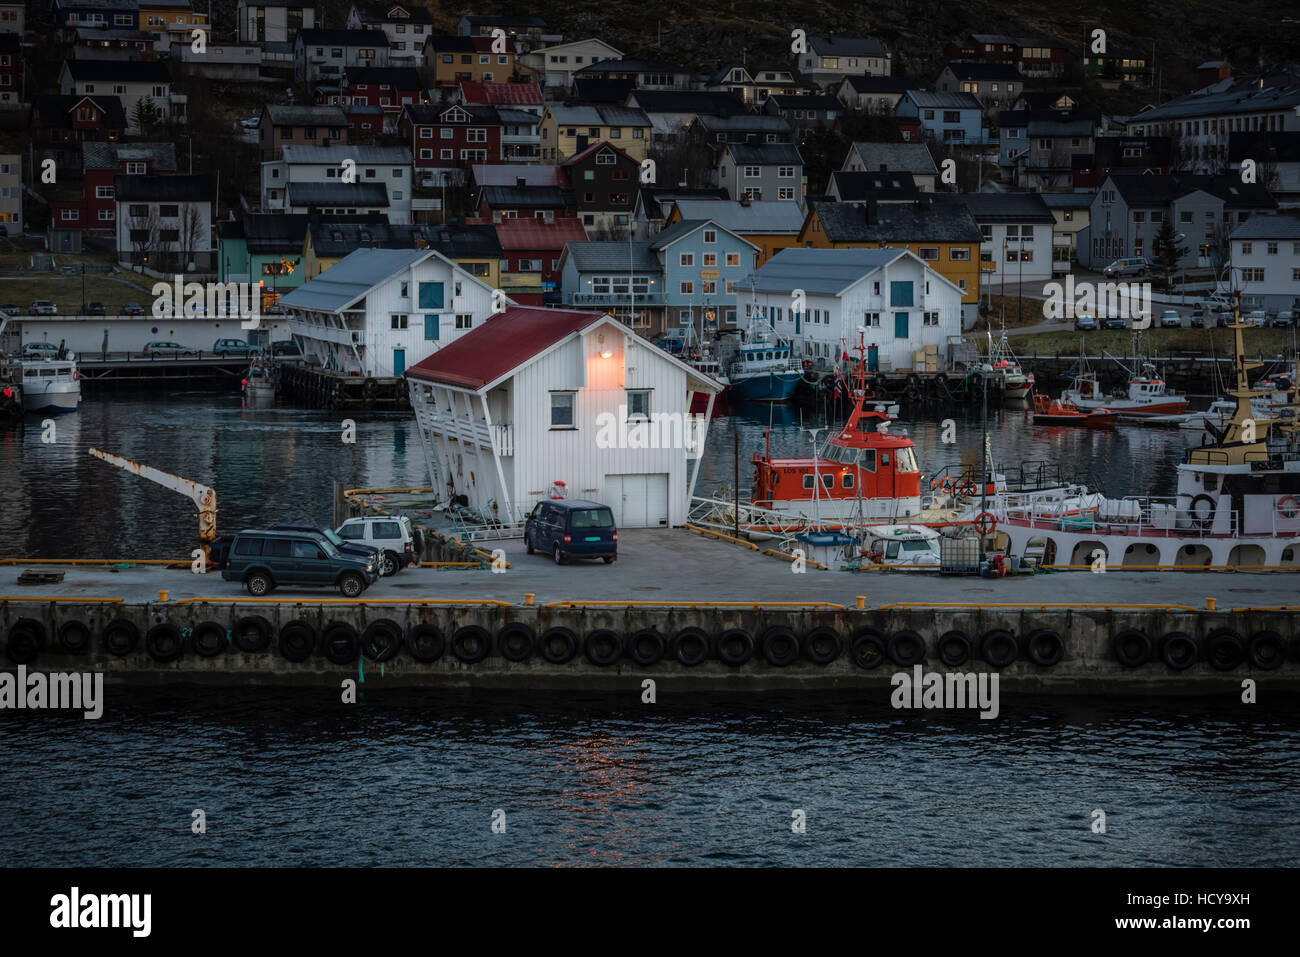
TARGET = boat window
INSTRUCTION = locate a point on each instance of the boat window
(846, 480)
(808, 481)
(906, 460)
(1211, 482)
(828, 481)
(47, 373)
(918, 545)
(892, 550)
(868, 460)
(767, 355)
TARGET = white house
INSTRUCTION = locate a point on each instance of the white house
(322, 55)
(387, 166)
(378, 311)
(555, 65)
(1017, 230)
(274, 21)
(130, 81)
(889, 297)
(407, 27)
(828, 60)
(911, 158)
(1265, 259)
(164, 222)
(13, 18)
(539, 397)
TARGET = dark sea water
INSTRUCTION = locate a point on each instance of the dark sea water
(413, 778)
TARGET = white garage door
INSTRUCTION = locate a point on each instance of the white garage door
(638, 501)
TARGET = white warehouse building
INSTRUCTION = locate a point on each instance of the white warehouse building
(889, 297)
(543, 403)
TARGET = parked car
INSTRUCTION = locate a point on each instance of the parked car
(252, 123)
(355, 549)
(1113, 322)
(1084, 322)
(235, 347)
(1256, 317)
(1128, 266)
(1197, 317)
(40, 350)
(1170, 319)
(9, 308)
(572, 528)
(393, 535)
(1284, 317)
(43, 307)
(133, 309)
(93, 309)
(165, 348)
(286, 349)
(263, 559)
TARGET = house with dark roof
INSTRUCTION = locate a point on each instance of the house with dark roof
(388, 87)
(1265, 257)
(105, 42)
(1039, 147)
(1276, 156)
(531, 391)
(702, 262)
(406, 26)
(289, 183)
(644, 74)
(102, 163)
(321, 55)
(446, 140)
(911, 158)
(543, 203)
(132, 82)
(875, 95)
(164, 223)
(1130, 209)
(571, 128)
(655, 203)
(603, 181)
(948, 118)
(273, 21)
(1015, 236)
(1148, 155)
(754, 84)
(527, 33)
(71, 14)
(554, 64)
(263, 247)
(283, 126)
(58, 120)
(761, 171)
(1032, 55)
(623, 279)
(995, 86)
(865, 186)
(473, 59)
(595, 92)
(938, 228)
(828, 60)
(472, 247)
(815, 111)
(672, 112)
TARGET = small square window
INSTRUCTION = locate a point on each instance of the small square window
(562, 405)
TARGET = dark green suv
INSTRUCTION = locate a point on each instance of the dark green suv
(263, 560)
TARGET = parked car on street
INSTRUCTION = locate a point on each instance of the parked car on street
(1284, 317)
(264, 559)
(1197, 317)
(9, 308)
(355, 549)
(235, 347)
(40, 350)
(1113, 322)
(93, 309)
(1085, 323)
(133, 309)
(571, 528)
(165, 348)
(1257, 318)
(1128, 266)
(43, 307)
(394, 536)
(1170, 319)
(286, 349)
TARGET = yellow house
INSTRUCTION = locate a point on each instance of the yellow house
(174, 17)
(770, 224)
(567, 130)
(474, 248)
(939, 230)
(453, 60)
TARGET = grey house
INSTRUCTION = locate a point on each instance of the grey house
(762, 171)
(323, 54)
(1129, 210)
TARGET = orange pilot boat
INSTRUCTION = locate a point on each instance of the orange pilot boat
(1064, 412)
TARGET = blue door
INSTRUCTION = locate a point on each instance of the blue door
(399, 361)
(900, 325)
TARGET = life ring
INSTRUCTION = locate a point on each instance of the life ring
(966, 488)
(1132, 648)
(163, 642)
(516, 641)
(208, 639)
(252, 634)
(646, 647)
(780, 646)
(297, 641)
(341, 643)
(471, 643)
(425, 642)
(821, 646)
(26, 639)
(867, 647)
(74, 637)
(1044, 647)
(998, 648)
(1288, 507)
(1191, 510)
(691, 646)
(381, 640)
(905, 648)
(985, 523)
(953, 648)
(1224, 649)
(557, 645)
(1266, 650)
(603, 647)
(76, 374)
(735, 647)
(948, 484)
(1178, 650)
(120, 637)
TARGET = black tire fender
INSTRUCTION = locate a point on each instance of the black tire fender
(341, 643)
(735, 647)
(780, 646)
(425, 642)
(603, 647)
(954, 648)
(26, 641)
(1044, 647)
(1266, 650)
(208, 639)
(1178, 650)
(120, 637)
(867, 647)
(1131, 647)
(998, 647)
(297, 641)
(905, 648)
(1224, 649)
(381, 640)
(557, 645)
(691, 646)
(471, 643)
(646, 647)
(821, 646)
(252, 633)
(163, 642)
(516, 641)
(74, 637)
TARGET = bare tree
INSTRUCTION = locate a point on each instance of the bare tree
(142, 231)
(191, 232)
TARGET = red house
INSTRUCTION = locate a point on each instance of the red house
(59, 120)
(515, 96)
(101, 164)
(534, 245)
(389, 88)
(447, 140)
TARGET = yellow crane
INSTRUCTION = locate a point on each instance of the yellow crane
(203, 497)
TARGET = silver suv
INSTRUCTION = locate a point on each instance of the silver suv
(393, 535)
(1131, 266)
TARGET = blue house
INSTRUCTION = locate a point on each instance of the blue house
(623, 279)
(702, 264)
(949, 117)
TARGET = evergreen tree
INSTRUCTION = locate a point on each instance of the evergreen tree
(1166, 252)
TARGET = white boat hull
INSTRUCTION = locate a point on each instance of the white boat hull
(54, 397)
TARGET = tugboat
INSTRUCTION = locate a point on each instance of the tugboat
(864, 472)
(1237, 504)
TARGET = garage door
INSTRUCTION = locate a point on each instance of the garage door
(638, 501)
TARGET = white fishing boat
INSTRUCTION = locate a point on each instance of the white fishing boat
(50, 385)
(911, 546)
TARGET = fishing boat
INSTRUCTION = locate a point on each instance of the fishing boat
(1147, 394)
(763, 369)
(259, 382)
(1048, 411)
(909, 546)
(1005, 370)
(50, 385)
(1237, 503)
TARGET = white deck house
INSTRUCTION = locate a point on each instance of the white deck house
(895, 301)
(541, 397)
(378, 311)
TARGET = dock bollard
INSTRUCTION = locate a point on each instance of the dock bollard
(1209, 604)
(528, 597)
(162, 594)
(862, 602)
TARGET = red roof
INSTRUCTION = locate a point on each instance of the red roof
(500, 94)
(499, 346)
(579, 157)
(527, 233)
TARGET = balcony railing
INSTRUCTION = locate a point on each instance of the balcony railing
(653, 298)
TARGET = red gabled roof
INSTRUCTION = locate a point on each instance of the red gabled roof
(501, 94)
(499, 346)
(527, 233)
(579, 157)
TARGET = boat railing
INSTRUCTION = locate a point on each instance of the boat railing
(1131, 515)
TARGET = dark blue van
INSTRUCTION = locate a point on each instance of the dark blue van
(571, 528)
